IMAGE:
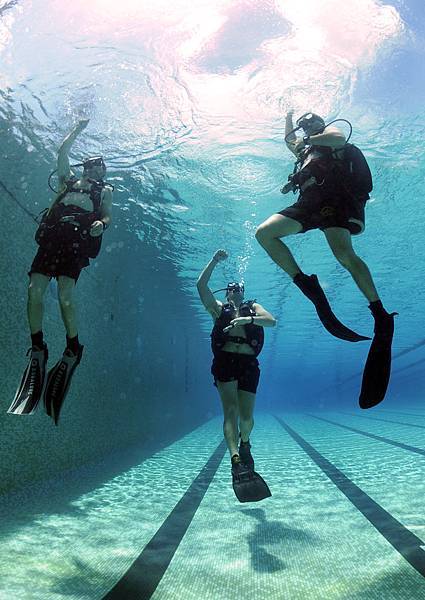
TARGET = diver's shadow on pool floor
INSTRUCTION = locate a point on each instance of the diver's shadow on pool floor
(268, 534)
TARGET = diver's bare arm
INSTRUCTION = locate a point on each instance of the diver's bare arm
(263, 318)
(106, 207)
(64, 169)
(205, 294)
(291, 139)
(332, 137)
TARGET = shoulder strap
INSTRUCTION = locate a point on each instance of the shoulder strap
(96, 194)
(69, 184)
(223, 308)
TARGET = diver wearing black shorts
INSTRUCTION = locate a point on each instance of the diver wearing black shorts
(231, 366)
(236, 340)
(64, 261)
(69, 234)
(333, 181)
(316, 209)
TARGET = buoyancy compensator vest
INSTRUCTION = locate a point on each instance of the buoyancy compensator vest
(254, 333)
(68, 226)
(342, 170)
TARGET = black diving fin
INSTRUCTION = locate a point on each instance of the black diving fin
(248, 485)
(377, 371)
(30, 389)
(58, 382)
(310, 287)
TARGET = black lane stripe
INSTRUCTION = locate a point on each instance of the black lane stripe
(399, 412)
(144, 575)
(410, 366)
(384, 420)
(393, 371)
(410, 349)
(380, 438)
(403, 540)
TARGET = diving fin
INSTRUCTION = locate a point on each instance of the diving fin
(310, 287)
(30, 389)
(377, 371)
(248, 485)
(58, 382)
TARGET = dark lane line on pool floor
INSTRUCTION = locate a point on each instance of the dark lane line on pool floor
(379, 438)
(399, 412)
(384, 420)
(403, 540)
(142, 578)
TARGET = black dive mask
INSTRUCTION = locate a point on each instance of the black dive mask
(95, 161)
(235, 287)
(311, 123)
(232, 287)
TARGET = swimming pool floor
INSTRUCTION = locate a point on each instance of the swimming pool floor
(346, 519)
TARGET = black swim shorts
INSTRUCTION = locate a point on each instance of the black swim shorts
(63, 261)
(315, 210)
(243, 368)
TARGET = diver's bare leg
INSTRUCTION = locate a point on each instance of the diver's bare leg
(66, 287)
(36, 289)
(268, 235)
(246, 402)
(339, 240)
(229, 398)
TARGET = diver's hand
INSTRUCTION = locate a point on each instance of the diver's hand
(220, 255)
(65, 147)
(288, 187)
(96, 229)
(81, 125)
(237, 322)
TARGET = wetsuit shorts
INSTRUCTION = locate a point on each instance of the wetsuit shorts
(315, 210)
(243, 368)
(64, 261)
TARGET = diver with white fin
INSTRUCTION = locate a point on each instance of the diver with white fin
(236, 340)
(69, 234)
(333, 181)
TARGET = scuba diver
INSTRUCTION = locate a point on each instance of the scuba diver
(69, 234)
(333, 181)
(236, 340)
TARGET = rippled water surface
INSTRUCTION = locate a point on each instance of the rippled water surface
(187, 105)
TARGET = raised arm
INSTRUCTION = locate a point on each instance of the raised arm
(64, 169)
(205, 294)
(290, 138)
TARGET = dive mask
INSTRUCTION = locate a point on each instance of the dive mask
(95, 161)
(311, 123)
(235, 287)
(232, 287)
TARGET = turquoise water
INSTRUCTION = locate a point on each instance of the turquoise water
(132, 492)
